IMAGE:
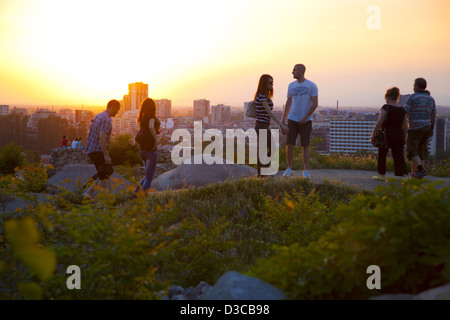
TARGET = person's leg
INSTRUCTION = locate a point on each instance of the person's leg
(306, 157)
(399, 160)
(305, 138)
(381, 163)
(97, 159)
(290, 142)
(150, 167)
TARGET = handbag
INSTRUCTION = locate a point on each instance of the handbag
(251, 110)
(380, 138)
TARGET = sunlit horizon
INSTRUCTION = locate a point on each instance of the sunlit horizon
(74, 53)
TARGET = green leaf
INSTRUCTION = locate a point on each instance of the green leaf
(41, 262)
(31, 290)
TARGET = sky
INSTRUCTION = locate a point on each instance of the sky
(86, 52)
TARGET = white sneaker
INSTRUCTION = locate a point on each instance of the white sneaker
(287, 173)
(306, 174)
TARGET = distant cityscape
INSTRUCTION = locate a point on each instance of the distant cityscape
(335, 129)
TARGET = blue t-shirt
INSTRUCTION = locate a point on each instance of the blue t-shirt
(420, 106)
(301, 94)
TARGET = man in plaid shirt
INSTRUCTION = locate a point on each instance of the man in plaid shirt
(98, 141)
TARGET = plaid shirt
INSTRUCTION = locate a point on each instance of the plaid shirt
(102, 122)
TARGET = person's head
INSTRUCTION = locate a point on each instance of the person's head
(148, 109)
(392, 94)
(420, 84)
(113, 107)
(265, 86)
(64, 137)
(299, 71)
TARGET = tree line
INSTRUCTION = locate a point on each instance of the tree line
(49, 133)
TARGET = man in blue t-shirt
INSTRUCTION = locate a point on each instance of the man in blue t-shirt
(302, 101)
(421, 110)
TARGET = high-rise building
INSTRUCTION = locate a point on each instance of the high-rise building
(220, 113)
(4, 110)
(349, 136)
(438, 143)
(137, 92)
(163, 108)
(201, 109)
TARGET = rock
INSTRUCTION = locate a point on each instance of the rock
(236, 286)
(198, 175)
(73, 178)
(15, 203)
(439, 293)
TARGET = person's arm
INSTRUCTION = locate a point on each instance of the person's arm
(314, 105)
(379, 123)
(153, 132)
(104, 146)
(287, 108)
(271, 115)
(405, 125)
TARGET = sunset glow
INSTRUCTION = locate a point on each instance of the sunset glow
(87, 51)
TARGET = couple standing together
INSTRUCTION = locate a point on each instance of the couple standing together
(413, 124)
(302, 101)
(100, 135)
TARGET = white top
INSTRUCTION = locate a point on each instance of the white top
(301, 94)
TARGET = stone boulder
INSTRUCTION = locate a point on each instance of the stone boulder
(236, 286)
(198, 175)
(14, 203)
(73, 178)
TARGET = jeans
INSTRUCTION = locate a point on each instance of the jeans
(150, 158)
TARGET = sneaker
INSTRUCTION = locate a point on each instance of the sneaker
(420, 174)
(287, 173)
(379, 177)
(306, 174)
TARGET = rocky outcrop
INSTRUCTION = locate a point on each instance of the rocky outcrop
(231, 286)
(62, 157)
(198, 175)
(73, 178)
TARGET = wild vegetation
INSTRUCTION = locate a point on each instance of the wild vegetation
(311, 241)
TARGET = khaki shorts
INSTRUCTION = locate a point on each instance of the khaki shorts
(417, 143)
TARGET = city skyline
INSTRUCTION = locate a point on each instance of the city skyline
(73, 53)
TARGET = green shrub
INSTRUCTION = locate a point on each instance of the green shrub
(123, 152)
(403, 228)
(11, 157)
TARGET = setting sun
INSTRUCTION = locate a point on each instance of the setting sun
(75, 52)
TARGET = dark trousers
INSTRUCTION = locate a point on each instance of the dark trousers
(396, 143)
(258, 126)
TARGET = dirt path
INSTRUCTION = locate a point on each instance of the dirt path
(359, 178)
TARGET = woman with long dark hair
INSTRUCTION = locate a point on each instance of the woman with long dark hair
(147, 121)
(264, 106)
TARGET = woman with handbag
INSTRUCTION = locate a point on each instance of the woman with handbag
(264, 106)
(148, 141)
(393, 120)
